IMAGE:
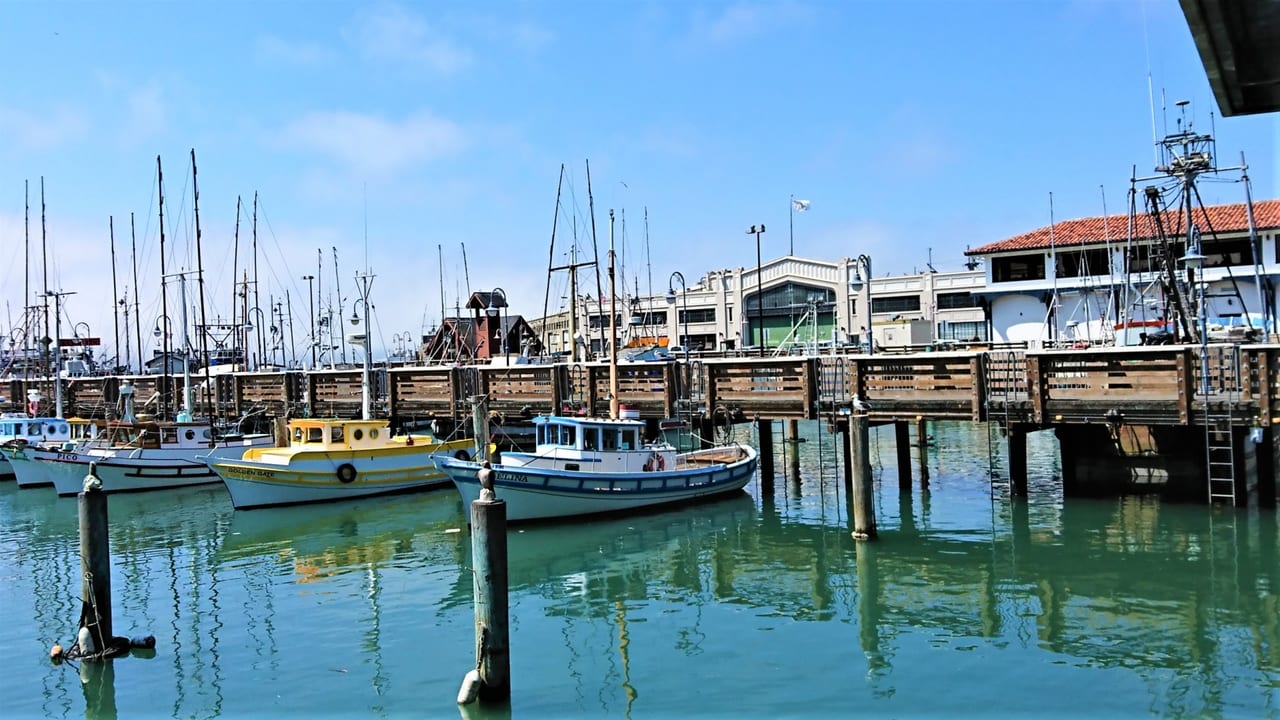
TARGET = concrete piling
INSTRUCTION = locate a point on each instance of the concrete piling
(95, 562)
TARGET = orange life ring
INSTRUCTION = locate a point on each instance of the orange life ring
(655, 463)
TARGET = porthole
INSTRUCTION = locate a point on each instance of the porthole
(206, 434)
(65, 430)
(358, 434)
(189, 434)
(373, 433)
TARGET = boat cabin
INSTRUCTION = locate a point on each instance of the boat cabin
(154, 435)
(33, 430)
(334, 434)
(592, 435)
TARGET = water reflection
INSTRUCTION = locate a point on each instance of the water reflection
(727, 606)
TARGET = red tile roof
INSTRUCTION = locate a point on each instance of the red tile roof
(1094, 231)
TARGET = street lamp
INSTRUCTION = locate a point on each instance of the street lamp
(753, 230)
(671, 298)
(493, 311)
(366, 404)
(248, 328)
(311, 302)
(855, 286)
(1193, 261)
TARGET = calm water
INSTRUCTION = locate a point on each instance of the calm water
(969, 604)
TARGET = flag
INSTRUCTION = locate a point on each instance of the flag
(799, 205)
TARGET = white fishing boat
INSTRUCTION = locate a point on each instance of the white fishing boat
(586, 466)
(591, 465)
(19, 430)
(335, 459)
(22, 457)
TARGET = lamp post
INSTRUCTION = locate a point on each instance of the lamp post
(855, 285)
(162, 333)
(493, 311)
(1193, 261)
(366, 404)
(311, 303)
(757, 231)
(249, 327)
(671, 298)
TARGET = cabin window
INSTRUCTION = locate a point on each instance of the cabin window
(335, 434)
(629, 439)
(540, 435)
(590, 438)
(315, 435)
(168, 435)
(297, 434)
(357, 434)
(568, 435)
(33, 429)
(373, 433)
(610, 439)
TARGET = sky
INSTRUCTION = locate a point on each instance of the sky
(423, 143)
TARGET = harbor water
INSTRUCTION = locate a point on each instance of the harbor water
(970, 603)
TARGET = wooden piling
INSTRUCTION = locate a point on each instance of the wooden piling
(95, 562)
(793, 450)
(1265, 454)
(489, 558)
(842, 427)
(922, 440)
(1018, 460)
(863, 494)
(480, 425)
(764, 433)
(902, 442)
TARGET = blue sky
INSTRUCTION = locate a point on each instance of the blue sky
(397, 132)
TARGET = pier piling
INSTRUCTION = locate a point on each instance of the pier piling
(489, 558)
(480, 426)
(95, 562)
(863, 494)
(793, 450)
(922, 441)
(1018, 460)
(902, 442)
(764, 432)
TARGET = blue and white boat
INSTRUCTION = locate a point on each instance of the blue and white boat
(586, 466)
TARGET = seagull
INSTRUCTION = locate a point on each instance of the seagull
(860, 405)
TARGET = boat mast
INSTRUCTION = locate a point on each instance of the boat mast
(613, 330)
(204, 328)
(337, 291)
(235, 267)
(595, 247)
(44, 269)
(164, 301)
(115, 289)
(185, 415)
(137, 311)
(256, 297)
(551, 261)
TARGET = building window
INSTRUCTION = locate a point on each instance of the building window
(596, 322)
(957, 301)
(963, 331)
(1086, 263)
(895, 304)
(1014, 269)
(697, 315)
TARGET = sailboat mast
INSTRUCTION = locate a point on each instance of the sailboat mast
(256, 297)
(137, 316)
(185, 415)
(235, 264)
(551, 261)
(26, 277)
(595, 247)
(204, 328)
(613, 330)
(164, 300)
(337, 292)
(115, 289)
(44, 268)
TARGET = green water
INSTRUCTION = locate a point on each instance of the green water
(969, 604)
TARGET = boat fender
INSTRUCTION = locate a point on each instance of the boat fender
(346, 473)
(470, 689)
(462, 455)
(84, 642)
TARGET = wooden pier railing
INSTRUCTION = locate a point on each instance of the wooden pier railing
(1164, 385)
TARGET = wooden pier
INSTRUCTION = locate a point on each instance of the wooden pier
(1116, 393)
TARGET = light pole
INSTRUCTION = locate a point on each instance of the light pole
(366, 404)
(493, 312)
(753, 230)
(162, 333)
(671, 298)
(248, 328)
(311, 303)
(855, 285)
(1193, 261)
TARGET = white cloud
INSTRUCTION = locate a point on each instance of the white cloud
(43, 129)
(392, 33)
(371, 146)
(746, 20)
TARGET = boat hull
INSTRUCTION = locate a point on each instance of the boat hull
(316, 479)
(141, 470)
(535, 493)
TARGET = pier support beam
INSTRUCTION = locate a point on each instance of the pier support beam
(489, 558)
(902, 442)
(922, 440)
(764, 433)
(95, 563)
(1018, 460)
(863, 494)
(793, 450)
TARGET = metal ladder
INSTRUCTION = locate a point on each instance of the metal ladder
(1220, 370)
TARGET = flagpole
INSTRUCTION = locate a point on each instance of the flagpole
(791, 223)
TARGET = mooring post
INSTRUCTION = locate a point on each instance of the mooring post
(902, 441)
(793, 450)
(480, 426)
(1018, 460)
(764, 432)
(95, 562)
(922, 440)
(1263, 438)
(863, 495)
(491, 680)
(842, 427)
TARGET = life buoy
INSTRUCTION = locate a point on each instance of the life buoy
(655, 462)
(346, 473)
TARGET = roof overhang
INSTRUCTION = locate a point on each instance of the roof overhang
(1239, 44)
